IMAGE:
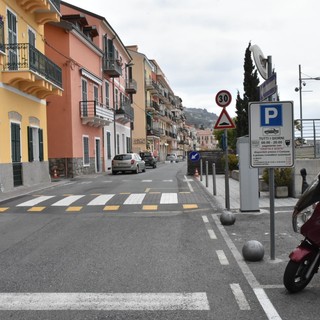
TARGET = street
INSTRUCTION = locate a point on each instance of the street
(139, 246)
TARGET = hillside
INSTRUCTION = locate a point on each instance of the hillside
(200, 118)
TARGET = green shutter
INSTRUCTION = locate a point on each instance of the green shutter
(40, 132)
(30, 145)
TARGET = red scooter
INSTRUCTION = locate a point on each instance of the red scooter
(305, 259)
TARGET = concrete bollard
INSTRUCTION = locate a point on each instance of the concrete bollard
(253, 250)
(227, 218)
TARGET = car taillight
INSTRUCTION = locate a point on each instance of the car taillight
(132, 161)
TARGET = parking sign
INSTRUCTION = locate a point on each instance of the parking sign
(271, 134)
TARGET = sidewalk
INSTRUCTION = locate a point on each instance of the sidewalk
(234, 191)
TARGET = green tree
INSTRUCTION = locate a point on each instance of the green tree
(232, 139)
(251, 93)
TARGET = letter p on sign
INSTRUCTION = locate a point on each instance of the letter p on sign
(271, 115)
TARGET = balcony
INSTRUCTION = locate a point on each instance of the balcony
(125, 114)
(112, 67)
(44, 10)
(95, 114)
(131, 86)
(153, 132)
(152, 105)
(151, 86)
(30, 71)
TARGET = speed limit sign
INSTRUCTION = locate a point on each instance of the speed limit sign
(223, 98)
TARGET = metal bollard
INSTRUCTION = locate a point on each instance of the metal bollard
(214, 179)
(201, 170)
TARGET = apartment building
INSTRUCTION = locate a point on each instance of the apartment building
(159, 117)
(206, 140)
(27, 78)
(93, 120)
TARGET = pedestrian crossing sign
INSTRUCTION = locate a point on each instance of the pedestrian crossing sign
(224, 121)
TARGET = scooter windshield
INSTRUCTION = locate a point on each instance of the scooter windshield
(310, 196)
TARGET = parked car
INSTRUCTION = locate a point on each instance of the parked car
(128, 162)
(149, 159)
(172, 157)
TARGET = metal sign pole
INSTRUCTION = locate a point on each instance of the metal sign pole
(226, 177)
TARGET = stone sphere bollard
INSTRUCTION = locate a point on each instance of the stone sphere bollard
(227, 218)
(253, 250)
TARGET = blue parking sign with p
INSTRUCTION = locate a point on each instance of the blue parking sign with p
(271, 115)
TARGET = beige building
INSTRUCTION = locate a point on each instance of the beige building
(206, 140)
(159, 117)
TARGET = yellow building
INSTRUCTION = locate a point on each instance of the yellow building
(27, 77)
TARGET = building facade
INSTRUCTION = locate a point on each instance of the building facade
(27, 78)
(93, 120)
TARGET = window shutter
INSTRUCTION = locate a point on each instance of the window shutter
(40, 132)
(30, 145)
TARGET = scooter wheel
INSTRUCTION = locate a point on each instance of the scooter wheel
(294, 278)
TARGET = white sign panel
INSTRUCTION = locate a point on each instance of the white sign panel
(271, 134)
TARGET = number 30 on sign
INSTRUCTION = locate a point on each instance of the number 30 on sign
(223, 98)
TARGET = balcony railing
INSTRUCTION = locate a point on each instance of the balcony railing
(25, 57)
(153, 132)
(125, 113)
(112, 67)
(95, 114)
(131, 86)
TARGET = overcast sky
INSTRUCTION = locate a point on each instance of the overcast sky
(200, 44)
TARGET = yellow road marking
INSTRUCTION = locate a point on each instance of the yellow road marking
(155, 192)
(3, 209)
(190, 206)
(67, 195)
(111, 208)
(124, 193)
(147, 190)
(150, 207)
(74, 209)
(36, 209)
(185, 192)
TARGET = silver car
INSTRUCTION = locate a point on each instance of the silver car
(128, 162)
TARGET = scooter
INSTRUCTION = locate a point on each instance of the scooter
(305, 259)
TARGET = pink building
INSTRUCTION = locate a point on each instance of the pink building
(92, 121)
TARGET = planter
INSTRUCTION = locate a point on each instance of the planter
(282, 192)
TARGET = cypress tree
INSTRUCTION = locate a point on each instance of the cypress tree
(251, 93)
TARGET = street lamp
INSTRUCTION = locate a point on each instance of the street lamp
(302, 83)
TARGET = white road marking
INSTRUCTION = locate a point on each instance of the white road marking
(135, 198)
(100, 200)
(240, 297)
(167, 198)
(34, 201)
(205, 219)
(222, 257)
(188, 183)
(146, 181)
(67, 201)
(263, 299)
(170, 180)
(212, 235)
(104, 301)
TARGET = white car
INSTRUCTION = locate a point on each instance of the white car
(172, 157)
(128, 162)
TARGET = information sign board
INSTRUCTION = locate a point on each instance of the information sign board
(271, 134)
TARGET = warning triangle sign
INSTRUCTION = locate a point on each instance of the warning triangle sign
(224, 121)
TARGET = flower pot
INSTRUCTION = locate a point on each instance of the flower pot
(282, 192)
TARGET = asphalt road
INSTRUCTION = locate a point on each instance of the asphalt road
(146, 246)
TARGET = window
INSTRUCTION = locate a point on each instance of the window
(35, 144)
(116, 97)
(123, 143)
(107, 88)
(96, 93)
(84, 88)
(128, 144)
(118, 143)
(2, 35)
(86, 158)
(108, 145)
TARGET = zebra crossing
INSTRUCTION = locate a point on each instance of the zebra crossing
(147, 201)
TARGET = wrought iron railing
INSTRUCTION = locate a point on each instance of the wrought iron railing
(126, 110)
(92, 108)
(24, 56)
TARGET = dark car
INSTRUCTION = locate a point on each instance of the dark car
(149, 159)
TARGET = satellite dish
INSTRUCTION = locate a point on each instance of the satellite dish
(259, 60)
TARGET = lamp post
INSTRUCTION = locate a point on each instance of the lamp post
(302, 83)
